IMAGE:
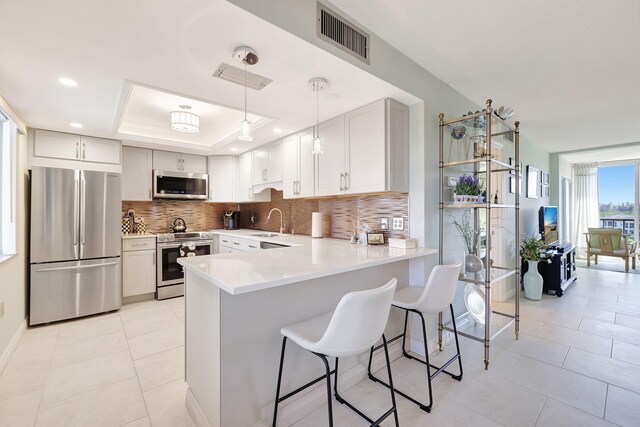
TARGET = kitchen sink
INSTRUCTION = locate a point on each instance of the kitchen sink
(266, 235)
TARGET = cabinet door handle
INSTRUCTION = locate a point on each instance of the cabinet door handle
(293, 187)
(77, 150)
(84, 150)
(346, 181)
(249, 192)
(342, 182)
(297, 187)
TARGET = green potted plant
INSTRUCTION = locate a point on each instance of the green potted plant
(467, 190)
(533, 250)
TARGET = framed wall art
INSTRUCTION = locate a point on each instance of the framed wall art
(532, 182)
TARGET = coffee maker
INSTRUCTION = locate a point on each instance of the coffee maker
(231, 220)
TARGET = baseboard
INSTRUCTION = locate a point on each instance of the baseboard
(138, 298)
(297, 408)
(13, 344)
(197, 416)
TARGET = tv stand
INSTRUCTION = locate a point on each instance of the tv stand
(560, 273)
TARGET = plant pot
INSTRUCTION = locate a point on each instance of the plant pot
(472, 263)
(532, 282)
(463, 198)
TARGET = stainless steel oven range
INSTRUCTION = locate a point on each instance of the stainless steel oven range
(171, 246)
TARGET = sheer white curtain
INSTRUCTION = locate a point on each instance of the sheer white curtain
(586, 205)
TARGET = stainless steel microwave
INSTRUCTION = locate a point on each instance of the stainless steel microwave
(180, 185)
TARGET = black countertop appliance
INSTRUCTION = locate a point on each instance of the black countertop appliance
(231, 220)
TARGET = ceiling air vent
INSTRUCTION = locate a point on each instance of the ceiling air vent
(236, 75)
(336, 30)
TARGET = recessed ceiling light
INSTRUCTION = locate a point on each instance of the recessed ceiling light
(75, 125)
(234, 149)
(67, 82)
(277, 130)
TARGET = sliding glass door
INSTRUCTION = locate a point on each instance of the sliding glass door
(618, 196)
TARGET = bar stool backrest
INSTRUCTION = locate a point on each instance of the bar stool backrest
(440, 288)
(358, 322)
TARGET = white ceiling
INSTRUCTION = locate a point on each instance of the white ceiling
(610, 154)
(147, 111)
(174, 46)
(571, 69)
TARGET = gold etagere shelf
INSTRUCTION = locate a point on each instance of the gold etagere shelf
(483, 164)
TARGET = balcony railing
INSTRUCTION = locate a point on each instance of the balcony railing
(627, 225)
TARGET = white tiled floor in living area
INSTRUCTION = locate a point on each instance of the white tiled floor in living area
(577, 363)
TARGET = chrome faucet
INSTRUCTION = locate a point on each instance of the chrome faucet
(281, 219)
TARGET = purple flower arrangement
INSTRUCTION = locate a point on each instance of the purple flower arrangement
(468, 185)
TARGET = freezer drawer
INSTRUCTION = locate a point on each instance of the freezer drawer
(65, 290)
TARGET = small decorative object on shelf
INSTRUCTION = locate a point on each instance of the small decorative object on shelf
(533, 250)
(468, 190)
(471, 237)
(141, 226)
(375, 238)
(127, 227)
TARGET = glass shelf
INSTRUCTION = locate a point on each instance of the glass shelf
(477, 206)
(472, 329)
(474, 121)
(497, 274)
(481, 164)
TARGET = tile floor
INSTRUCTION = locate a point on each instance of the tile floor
(577, 363)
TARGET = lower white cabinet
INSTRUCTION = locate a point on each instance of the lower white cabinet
(138, 266)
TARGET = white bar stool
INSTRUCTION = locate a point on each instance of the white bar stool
(437, 294)
(354, 327)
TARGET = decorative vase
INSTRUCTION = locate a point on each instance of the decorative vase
(532, 282)
(472, 263)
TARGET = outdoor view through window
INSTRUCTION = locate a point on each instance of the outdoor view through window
(616, 187)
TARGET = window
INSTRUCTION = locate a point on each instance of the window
(8, 186)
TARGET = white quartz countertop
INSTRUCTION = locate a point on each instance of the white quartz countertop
(306, 259)
(138, 236)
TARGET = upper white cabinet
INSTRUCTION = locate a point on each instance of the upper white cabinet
(365, 151)
(137, 171)
(267, 163)
(299, 163)
(244, 188)
(221, 171)
(330, 179)
(66, 146)
(170, 161)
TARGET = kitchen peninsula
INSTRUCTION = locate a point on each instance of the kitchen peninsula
(237, 302)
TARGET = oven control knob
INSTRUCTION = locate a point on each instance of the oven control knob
(209, 235)
(161, 238)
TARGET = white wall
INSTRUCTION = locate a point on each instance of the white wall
(13, 277)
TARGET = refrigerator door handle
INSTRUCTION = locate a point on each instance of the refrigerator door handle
(83, 193)
(76, 196)
(75, 267)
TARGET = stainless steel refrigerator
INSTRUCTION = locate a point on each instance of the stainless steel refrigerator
(75, 244)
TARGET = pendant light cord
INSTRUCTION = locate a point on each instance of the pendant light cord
(317, 110)
(245, 88)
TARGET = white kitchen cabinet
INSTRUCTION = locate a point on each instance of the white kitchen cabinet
(138, 266)
(366, 152)
(298, 165)
(100, 150)
(244, 191)
(267, 163)
(170, 161)
(67, 146)
(137, 171)
(331, 165)
(221, 171)
(194, 163)
(245, 245)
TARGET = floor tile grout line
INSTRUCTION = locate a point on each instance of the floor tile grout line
(546, 398)
(606, 398)
(135, 369)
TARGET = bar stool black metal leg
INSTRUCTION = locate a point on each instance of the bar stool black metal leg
(275, 409)
(426, 355)
(404, 335)
(455, 334)
(328, 371)
(391, 388)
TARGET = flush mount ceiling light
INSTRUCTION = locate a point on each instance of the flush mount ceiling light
(277, 130)
(75, 125)
(184, 121)
(248, 56)
(65, 81)
(318, 84)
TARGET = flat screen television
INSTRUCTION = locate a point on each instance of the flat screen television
(548, 223)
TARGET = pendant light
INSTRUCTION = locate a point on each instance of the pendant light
(248, 56)
(317, 84)
(184, 121)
